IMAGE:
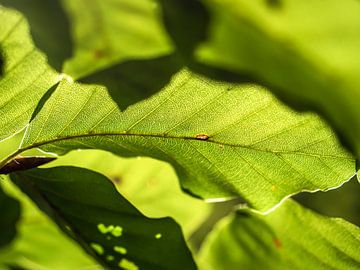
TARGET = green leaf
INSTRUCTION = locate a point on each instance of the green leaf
(39, 244)
(98, 33)
(87, 207)
(26, 75)
(10, 212)
(224, 140)
(290, 238)
(49, 28)
(306, 52)
(107, 32)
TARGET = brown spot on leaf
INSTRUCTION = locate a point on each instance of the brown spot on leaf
(277, 243)
(117, 180)
(202, 137)
(98, 54)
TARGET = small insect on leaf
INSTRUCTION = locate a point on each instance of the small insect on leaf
(202, 137)
(24, 163)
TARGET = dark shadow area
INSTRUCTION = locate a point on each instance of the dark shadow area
(219, 211)
(2, 62)
(15, 267)
(276, 4)
(343, 202)
(50, 27)
(135, 80)
(10, 213)
(220, 74)
(186, 22)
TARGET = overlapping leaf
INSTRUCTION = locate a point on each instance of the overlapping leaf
(124, 30)
(150, 185)
(39, 244)
(86, 205)
(224, 140)
(290, 238)
(26, 77)
(305, 52)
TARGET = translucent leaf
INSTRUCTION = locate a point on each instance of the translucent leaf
(224, 140)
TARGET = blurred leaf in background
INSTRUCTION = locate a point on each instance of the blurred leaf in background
(291, 237)
(125, 30)
(39, 245)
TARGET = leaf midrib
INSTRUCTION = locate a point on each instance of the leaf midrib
(165, 136)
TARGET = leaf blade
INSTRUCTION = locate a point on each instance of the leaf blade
(115, 20)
